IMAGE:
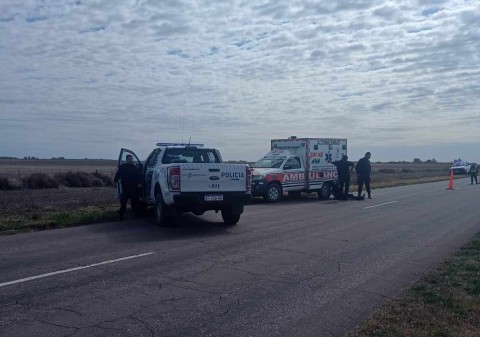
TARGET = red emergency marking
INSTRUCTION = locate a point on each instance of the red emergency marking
(316, 154)
(300, 176)
(331, 174)
(322, 175)
(294, 176)
(274, 176)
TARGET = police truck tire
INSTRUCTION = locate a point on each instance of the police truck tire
(160, 217)
(274, 193)
(325, 192)
(228, 217)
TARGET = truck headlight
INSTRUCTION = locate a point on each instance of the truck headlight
(258, 177)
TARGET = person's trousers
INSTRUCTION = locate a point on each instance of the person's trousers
(363, 180)
(473, 176)
(127, 195)
(344, 185)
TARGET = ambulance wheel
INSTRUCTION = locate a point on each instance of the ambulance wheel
(325, 192)
(274, 193)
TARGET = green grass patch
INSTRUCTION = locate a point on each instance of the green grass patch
(444, 303)
(38, 220)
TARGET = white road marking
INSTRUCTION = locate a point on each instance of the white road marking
(73, 269)
(386, 203)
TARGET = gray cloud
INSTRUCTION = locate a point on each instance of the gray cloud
(80, 74)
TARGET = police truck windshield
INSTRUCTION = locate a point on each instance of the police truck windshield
(269, 162)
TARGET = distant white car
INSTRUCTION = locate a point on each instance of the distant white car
(460, 167)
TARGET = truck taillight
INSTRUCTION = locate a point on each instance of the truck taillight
(174, 178)
(249, 179)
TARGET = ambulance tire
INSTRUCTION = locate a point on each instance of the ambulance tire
(274, 193)
(325, 192)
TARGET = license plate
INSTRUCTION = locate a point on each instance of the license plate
(214, 197)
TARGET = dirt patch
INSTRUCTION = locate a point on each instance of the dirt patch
(62, 198)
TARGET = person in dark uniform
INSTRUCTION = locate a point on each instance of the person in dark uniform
(130, 177)
(363, 169)
(343, 168)
(473, 173)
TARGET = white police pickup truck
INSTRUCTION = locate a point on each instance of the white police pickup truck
(180, 178)
(460, 167)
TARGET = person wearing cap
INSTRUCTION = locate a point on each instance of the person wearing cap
(364, 169)
(130, 177)
(343, 168)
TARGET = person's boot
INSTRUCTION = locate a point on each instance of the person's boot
(369, 196)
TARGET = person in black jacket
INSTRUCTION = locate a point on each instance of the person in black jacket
(130, 177)
(343, 168)
(363, 169)
(473, 173)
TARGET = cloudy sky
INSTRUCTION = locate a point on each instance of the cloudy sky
(84, 78)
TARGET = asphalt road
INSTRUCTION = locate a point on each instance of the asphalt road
(298, 268)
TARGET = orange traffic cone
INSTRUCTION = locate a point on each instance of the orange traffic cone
(450, 183)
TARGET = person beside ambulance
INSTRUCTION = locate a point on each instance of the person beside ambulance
(363, 170)
(344, 167)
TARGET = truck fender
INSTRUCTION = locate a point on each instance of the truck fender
(237, 208)
(157, 190)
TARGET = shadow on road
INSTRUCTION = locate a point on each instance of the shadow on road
(288, 199)
(185, 226)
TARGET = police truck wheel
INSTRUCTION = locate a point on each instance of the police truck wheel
(228, 217)
(325, 192)
(160, 217)
(274, 193)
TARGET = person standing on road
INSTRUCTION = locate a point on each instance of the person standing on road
(473, 173)
(343, 168)
(130, 177)
(363, 169)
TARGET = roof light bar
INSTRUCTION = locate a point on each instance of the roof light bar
(179, 144)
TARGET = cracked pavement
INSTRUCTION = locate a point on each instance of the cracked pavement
(304, 267)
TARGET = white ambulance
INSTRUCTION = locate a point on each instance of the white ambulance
(297, 165)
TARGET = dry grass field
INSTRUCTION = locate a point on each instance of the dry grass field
(19, 168)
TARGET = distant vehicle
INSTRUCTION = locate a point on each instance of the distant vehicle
(460, 167)
(180, 178)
